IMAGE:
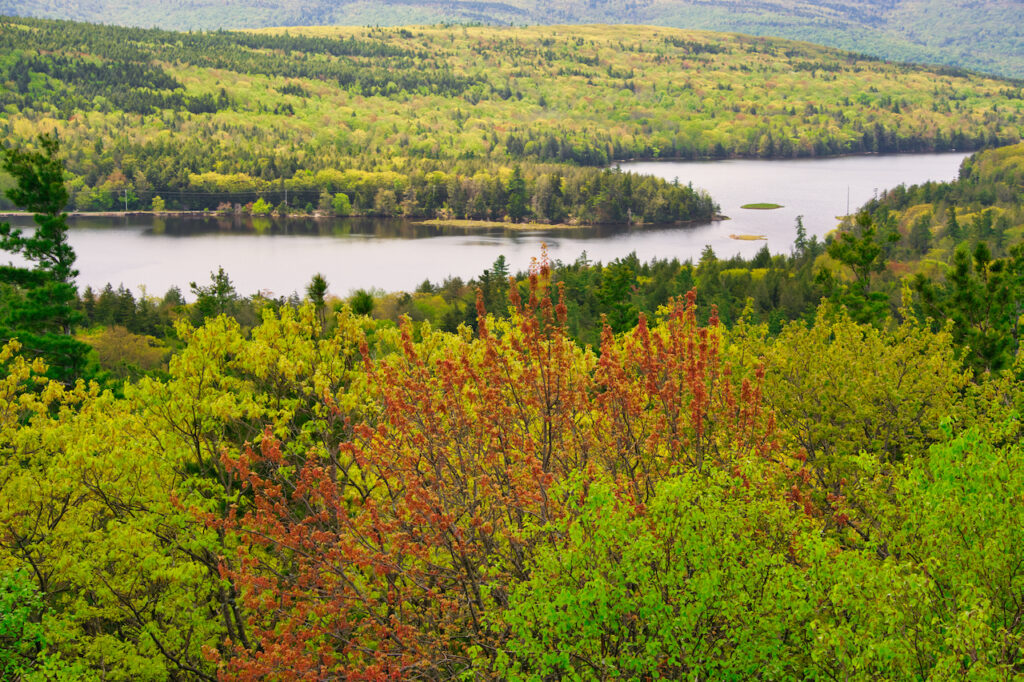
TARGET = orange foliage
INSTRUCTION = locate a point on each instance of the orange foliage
(390, 559)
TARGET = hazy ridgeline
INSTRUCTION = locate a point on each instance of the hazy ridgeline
(974, 35)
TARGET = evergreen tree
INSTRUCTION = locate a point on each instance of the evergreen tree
(863, 252)
(39, 302)
(362, 302)
(517, 195)
(317, 292)
(800, 243)
(217, 298)
(953, 225)
(921, 234)
(324, 202)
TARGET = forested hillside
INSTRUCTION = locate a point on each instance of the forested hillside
(433, 122)
(983, 35)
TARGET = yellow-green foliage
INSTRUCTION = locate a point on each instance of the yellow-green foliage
(754, 274)
(101, 495)
(847, 368)
(1004, 166)
(753, 96)
(869, 510)
(985, 202)
(911, 215)
(922, 31)
(124, 353)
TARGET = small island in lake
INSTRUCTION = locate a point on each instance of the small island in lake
(762, 206)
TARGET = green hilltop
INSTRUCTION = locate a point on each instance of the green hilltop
(147, 110)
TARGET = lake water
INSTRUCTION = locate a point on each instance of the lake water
(280, 257)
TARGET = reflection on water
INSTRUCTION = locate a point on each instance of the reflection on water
(376, 228)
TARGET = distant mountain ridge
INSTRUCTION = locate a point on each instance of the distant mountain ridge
(985, 35)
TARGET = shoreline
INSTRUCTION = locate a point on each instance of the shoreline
(706, 159)
(429, 222)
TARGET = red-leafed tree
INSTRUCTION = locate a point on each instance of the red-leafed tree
(394, 558)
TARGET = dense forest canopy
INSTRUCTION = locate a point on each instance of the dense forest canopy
(227, 118)
(795, 466)
(977, 35)
(322, 496)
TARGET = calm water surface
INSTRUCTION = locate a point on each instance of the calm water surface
(280, 257)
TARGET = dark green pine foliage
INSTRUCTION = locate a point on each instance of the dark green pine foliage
(37, 303)
(615, 294)
(217, 298)
(517, 195)
(953, 230)
(863, 251)
(362, 302)
(985, 300)
(494, 285)
(316, 290)
(921, 235)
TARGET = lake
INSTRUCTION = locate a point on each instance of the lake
(279, 257)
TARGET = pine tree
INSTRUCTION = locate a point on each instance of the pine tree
(316, 290)
(953, 229)
(217, 298)
(38, 301)
(517, 196)
(921, 234)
